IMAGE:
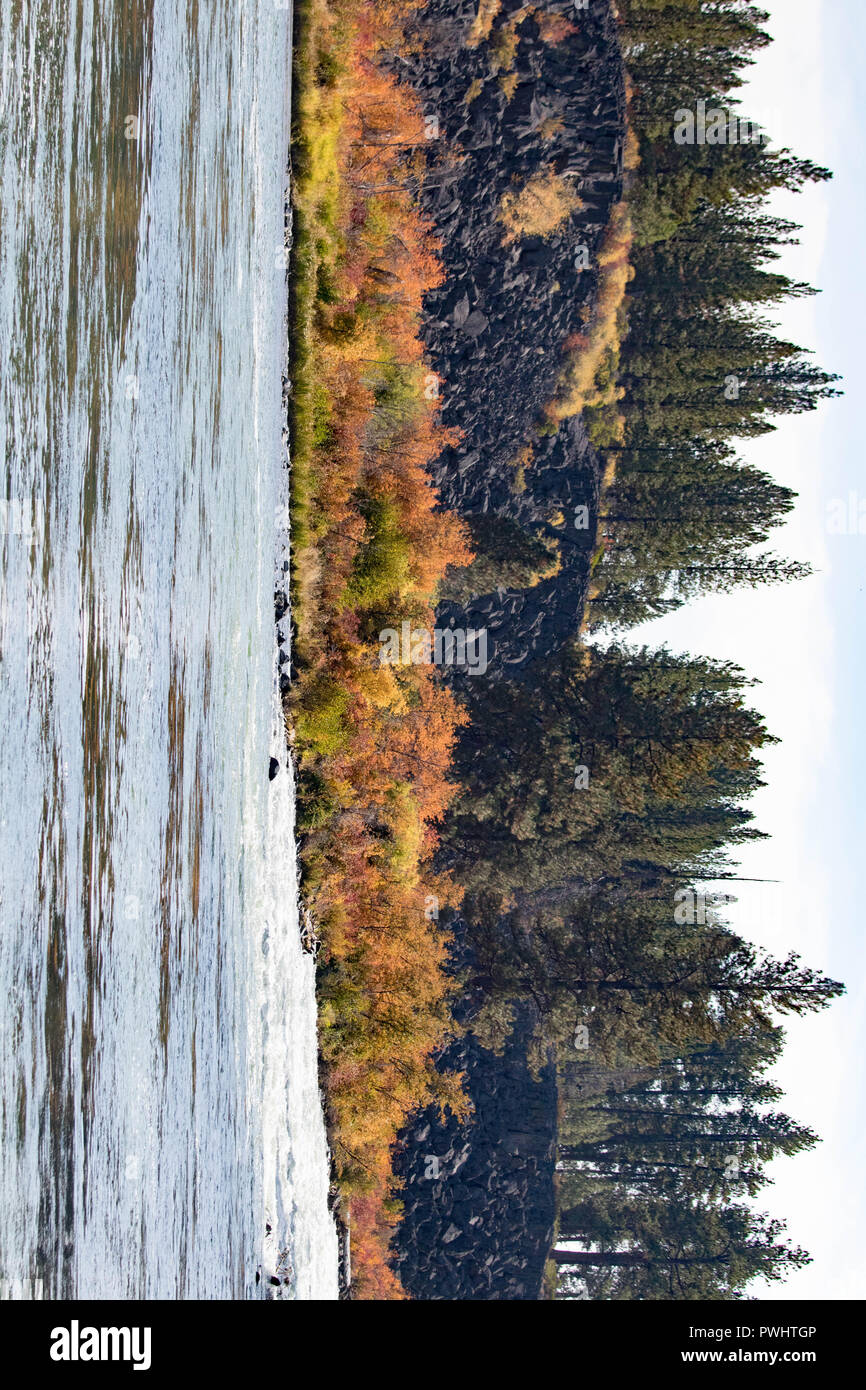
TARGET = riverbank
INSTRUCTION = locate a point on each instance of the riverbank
(370, 546)
(373, 168)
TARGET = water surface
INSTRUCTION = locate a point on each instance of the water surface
(161, 1124)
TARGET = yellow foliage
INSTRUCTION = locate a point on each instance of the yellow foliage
(550, 126)
(381, 688)
(578, 388)
(407, 835)
(520, 463)
(504, 45)
(483, 22)
(537, 209)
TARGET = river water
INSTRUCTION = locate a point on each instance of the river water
(162, 1131)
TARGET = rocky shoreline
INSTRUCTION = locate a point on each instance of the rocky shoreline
(478, 1198)
(478, 1218)
(496, 328)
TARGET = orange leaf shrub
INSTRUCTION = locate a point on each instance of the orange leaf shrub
(374, 742)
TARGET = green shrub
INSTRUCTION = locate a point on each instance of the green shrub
(381, 568)
(321, 724)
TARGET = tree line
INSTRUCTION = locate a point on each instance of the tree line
(599, 794)
(701, 363)
(602, 788)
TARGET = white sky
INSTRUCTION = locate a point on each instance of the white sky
(804, 642)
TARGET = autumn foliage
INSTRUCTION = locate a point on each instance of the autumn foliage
(539, 207)
(371, 544)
